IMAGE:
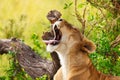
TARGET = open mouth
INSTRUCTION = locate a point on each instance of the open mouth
(53, 37)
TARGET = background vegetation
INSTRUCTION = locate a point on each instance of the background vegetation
(99, 20)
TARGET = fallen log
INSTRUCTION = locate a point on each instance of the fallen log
(32, 63)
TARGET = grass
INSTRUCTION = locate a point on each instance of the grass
(4, 64)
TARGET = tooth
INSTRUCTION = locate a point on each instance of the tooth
(54, 31)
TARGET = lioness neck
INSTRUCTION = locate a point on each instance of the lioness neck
(67, 61)
(63, 62)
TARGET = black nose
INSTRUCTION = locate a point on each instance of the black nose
(55, 26)
(60, 19)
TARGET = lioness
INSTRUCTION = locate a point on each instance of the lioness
(73, 49)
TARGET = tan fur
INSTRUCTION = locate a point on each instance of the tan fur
(73, 52)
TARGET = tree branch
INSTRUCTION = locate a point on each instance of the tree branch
(115, 42)
(79, 18)
(32, 63)
(102, 4)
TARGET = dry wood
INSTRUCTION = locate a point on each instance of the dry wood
(32, 63)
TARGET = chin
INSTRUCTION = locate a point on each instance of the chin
(50, 48)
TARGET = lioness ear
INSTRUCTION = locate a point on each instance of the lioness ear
(88, 46)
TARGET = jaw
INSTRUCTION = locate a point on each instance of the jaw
(62, 46)
(53, 38)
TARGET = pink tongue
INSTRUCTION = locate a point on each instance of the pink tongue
(49, 41)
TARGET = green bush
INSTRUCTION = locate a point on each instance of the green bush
(105, 58)
(38, 46)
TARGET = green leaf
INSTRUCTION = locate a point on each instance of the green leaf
(81, 5)
(70, 3)
(67, 5)
(109, 15)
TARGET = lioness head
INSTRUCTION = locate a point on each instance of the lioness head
(65, 36)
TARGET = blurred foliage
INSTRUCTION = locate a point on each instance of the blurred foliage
(26, 19)
(14, 28)
(38, 47)
(14, 72)
(44, 77)
(67, 5)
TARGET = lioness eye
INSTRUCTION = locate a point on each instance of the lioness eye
(60, 19)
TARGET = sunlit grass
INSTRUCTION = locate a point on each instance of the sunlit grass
(4, 64)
